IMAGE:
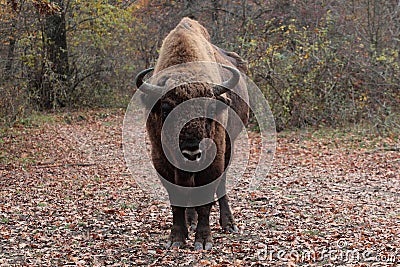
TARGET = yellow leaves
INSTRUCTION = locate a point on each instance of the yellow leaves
(253, 42)
(145, 2)
(99, 23)
(45, 7)
(382, 58)
(363, 97)
(141, 4)
(8, 11)
(292, 28)
(395, 53)
(271, 49)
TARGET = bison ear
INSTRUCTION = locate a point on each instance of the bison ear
(219, 90)
(225, 100)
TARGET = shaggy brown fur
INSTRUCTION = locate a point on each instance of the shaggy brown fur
(190, 42)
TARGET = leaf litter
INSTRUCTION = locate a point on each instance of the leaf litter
(68, 199)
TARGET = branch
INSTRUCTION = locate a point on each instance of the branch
(50, 165)
(85, 77)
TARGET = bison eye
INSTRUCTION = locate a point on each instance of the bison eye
(165, 110)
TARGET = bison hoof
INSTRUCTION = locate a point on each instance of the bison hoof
(199, 246)
(231, 229)
(192, 227)
(176, 244)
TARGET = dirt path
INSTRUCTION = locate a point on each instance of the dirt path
(67, 198)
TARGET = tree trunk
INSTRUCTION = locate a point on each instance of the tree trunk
(52, 91)
(10, 57)
(57, 41)
(217, 32)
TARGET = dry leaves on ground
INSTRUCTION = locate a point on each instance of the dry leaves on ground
(67, 198)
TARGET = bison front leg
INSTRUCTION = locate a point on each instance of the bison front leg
(226, 219)
(179, 231)
(225, 216)
(203, 239)
(191, 218)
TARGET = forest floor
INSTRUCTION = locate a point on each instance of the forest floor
(67, 198)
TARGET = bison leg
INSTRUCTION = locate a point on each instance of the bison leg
(225, 216)
(203, 239)
(179, 231)
(191, 218)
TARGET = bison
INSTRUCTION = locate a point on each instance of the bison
(190, 42)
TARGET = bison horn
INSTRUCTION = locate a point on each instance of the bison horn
(229, 84)
(147, 88)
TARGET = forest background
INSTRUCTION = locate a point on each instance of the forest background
(318, 62)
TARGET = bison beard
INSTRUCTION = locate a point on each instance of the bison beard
(190, 42)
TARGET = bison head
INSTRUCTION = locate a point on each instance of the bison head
(195, 112)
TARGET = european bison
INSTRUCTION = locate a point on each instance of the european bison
(190, 42)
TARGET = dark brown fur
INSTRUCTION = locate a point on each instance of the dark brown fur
(190, 42)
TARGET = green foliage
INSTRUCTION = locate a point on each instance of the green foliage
(102, 42)
(316, 65)
(311, 77)
(107, 33)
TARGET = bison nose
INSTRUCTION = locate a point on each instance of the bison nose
(192, 155)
